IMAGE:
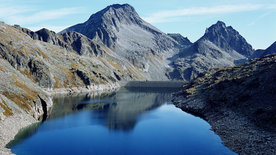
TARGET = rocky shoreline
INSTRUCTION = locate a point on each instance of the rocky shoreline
(237, 132)
(16, 122)
(13, 125)
(239, 104)
(87, 89)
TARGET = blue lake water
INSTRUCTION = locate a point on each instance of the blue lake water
(125, 122)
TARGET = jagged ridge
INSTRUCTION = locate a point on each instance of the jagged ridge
(220, 46)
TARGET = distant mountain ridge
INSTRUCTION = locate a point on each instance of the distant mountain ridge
(261, 53)
(158, 55)
(72, 41)
(219, 46)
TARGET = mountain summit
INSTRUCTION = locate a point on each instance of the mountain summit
(103, 25)
(221, 45)
(120, 28)
(227, 38)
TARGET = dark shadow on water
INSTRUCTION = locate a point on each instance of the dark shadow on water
(24, 134)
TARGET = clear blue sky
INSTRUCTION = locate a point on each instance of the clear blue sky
(254, 19)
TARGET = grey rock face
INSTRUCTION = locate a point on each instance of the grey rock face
(41, 73)
(220, 46)
(82, 44)
(49, 36)
(182, 41)
(17, 59)
(72, 41)
(227, 38)
(103, 25)
(43, 35)
(84, 77)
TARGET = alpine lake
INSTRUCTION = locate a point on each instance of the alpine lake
(129, 121)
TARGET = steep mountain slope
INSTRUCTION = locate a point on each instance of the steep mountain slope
(34, 65)
(121, 29)
(239, 103)
(261, 53)
(46, 64)
(220, 46)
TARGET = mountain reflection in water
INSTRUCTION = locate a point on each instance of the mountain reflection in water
(117, 111)
(129, 121)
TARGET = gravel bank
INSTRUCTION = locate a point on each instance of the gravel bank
(12, 124)
(237, 132)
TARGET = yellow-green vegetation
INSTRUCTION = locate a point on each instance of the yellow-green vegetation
(115, 65)
(70, 79)
(26, 96)
(2, 69)
(44, 56)
(19, 99)
(190, 90)
(29, 93)
(57, 83)
(134, 74)
(27, 73)
(75, 66)
(8, 111)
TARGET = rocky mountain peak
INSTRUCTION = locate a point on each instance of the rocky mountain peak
(227, 38)
(216, 29)
(128, 36)
(221, 45)
(114, 13)
(105, 25)
(118, 7)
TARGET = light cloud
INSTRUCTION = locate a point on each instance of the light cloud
(260, 18)
(30, 13)
(273, 6)
(9, 11)
(42, 16)
(171, 15)
(33, 16)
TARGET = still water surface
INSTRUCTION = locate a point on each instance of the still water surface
(125, 122)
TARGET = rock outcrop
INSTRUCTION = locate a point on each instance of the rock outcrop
(71, 41)
(238, 102)
(182, 41)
